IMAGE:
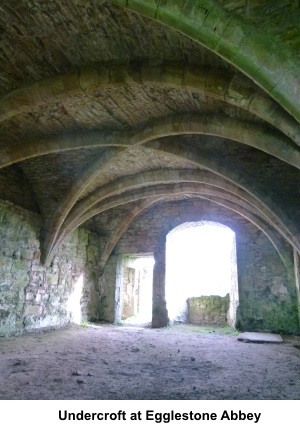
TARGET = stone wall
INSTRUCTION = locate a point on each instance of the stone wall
(297, 276)
(32, 295)
(206, 310)
(106, 307)
(15, 187)
(267, 292)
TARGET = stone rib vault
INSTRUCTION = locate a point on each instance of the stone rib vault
(120, 120)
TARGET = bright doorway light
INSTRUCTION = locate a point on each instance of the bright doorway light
(134, 289)
(144, 268)
(73, 304)
(200, 261)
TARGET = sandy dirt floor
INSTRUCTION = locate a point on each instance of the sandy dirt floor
(109, 362)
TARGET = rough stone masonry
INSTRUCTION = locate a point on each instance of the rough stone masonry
(121, 120)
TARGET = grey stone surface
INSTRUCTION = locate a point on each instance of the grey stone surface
(208, 310)
(260, 337)
(267, 296)
(33, 296)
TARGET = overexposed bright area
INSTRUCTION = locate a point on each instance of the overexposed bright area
(73, 305)
(200, 261)
(135, 288)
(144, 268)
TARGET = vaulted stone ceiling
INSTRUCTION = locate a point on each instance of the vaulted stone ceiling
(110, 107)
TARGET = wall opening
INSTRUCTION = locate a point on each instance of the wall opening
(201, 274)
(74, 301)
(134, 289)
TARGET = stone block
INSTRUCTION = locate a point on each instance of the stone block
(21, 265)
(5, 263)
(29, 296)
(39, 298)
(259, 337)
(26, 254)
(52, 278)
(36, 255)
(33, 310)
(88, 78)
(208, 309)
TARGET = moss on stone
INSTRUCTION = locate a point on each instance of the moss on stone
(208, 309)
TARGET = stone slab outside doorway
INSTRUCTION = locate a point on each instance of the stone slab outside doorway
(260, 337)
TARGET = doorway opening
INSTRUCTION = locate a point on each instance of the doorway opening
(201, 274)
(134, 289)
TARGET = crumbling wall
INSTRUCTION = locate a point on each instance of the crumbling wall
(206, 310)
(106, 303)
(267, 294)
(32, 295)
